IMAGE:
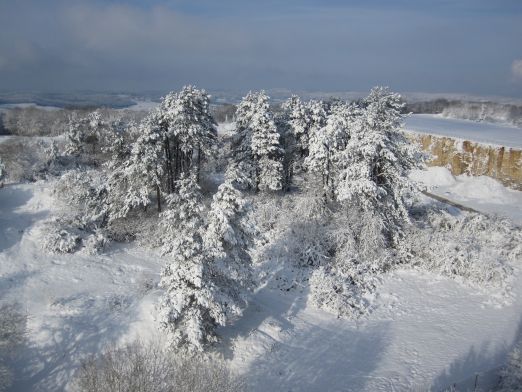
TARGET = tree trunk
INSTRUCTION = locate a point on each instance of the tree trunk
(170, 177)
(198, 168)
(176, 162)
(158, 195)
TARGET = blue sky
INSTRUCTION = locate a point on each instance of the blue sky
(466, 46)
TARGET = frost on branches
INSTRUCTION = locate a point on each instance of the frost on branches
(257, 152)
(376, 162)
(208, 271)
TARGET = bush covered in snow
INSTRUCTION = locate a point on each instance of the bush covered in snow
(334, 291)
(360, 256)
(471, 246)
(59, 237)
(25, 159)
(12, 336)
(150, 368)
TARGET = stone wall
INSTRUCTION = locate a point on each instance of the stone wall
(476, 159)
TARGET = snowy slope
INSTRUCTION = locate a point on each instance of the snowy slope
(482, 193)
(488, 133)
(424, 329)
(76, 304)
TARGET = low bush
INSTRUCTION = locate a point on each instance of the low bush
(149, 368)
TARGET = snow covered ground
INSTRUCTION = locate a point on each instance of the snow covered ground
(146, 105)
(424, 330)
(482, 193)
(27, 105)
(488, 133)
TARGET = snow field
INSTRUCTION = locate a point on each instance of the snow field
(482, 132)
(424, 330)
(482, 193)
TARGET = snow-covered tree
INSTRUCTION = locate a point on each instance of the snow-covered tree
(227, 239)
(172, 140)
(185, 307)
(289, 148)
(327, 141)
(256, 148)
(300, 121)
(243, 164)
(189, 131)
(143, 171)
(375, 164)
(85, 133)
(209, 270)
(316, 160)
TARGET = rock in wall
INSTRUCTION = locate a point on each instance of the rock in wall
(475, 159)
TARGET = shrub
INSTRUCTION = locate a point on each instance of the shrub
(472, 246)
(140, 368)
(58, 238)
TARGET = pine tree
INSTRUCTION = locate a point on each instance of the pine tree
(209, 271)
(243, 164)
(300, 121)
(317, 158)
(184, 308)
(85, 133)
(326, 142)
(173, 140)
(189, 129)
(144, 170)
(75, 135)
(227, 240)
(375, 164)
(256, 147)
(289, 148)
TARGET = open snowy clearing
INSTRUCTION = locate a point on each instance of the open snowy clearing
(482, 132)
(424, 330)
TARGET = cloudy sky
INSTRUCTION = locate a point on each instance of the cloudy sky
(462, 46)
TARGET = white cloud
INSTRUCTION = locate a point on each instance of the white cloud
(516, 69)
